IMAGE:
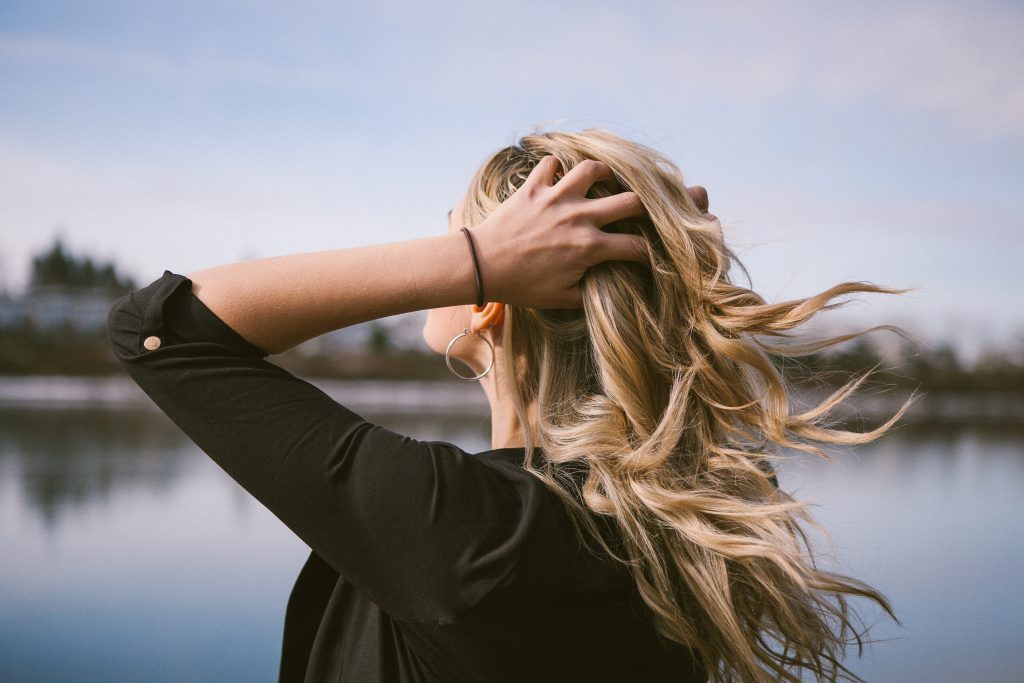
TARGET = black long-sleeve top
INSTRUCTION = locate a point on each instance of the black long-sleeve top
(428, 563)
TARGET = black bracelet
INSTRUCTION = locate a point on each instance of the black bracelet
(476, 269)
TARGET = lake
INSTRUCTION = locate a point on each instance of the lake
(128, 555)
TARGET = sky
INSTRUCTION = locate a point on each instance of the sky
(838, 141)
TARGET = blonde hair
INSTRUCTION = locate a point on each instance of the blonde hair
(659, 406)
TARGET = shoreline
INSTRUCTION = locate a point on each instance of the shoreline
(441, 397)
(121, 393)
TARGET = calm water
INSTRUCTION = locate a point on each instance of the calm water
(128, 555)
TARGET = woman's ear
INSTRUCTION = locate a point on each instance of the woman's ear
(491, 315)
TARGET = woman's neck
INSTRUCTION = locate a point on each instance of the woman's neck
(506, 430)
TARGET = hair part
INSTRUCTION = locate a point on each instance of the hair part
(659, 411)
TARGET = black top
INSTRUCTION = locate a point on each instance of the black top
(428, 563)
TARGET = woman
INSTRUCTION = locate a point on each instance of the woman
(626, 524)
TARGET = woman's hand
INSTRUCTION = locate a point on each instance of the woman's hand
(534, 248)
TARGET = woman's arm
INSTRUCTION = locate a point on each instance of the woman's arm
(277, 303)
(533, 250)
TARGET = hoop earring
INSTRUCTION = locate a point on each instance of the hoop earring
(448, 358)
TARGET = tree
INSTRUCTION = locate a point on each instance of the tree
(380, 338)
(56, 267)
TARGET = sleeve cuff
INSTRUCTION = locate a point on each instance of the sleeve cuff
(166, 312)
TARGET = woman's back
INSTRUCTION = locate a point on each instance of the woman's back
(563, 614)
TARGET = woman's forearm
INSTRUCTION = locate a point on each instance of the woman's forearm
(279, 302)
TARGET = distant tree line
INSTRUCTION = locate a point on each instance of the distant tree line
(27, 350)
(56, 267)
(934, 369)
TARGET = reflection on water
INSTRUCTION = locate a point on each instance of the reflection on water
(936, 521)
(69, 460)
(128, 555)
(74, 458)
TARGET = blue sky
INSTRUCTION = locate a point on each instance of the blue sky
(867, 141)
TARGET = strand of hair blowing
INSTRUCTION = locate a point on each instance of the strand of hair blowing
(659, 406)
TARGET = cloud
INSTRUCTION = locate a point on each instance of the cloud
(207, 68)
(960, 64)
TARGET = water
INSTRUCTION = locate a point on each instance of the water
(128, 555)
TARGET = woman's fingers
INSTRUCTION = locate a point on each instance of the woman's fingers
(544, 172)
(617, 246)
(583, 175)
(605, 210)
(589, 171)
(699, 196)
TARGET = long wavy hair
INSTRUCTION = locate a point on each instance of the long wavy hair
(660, 406)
